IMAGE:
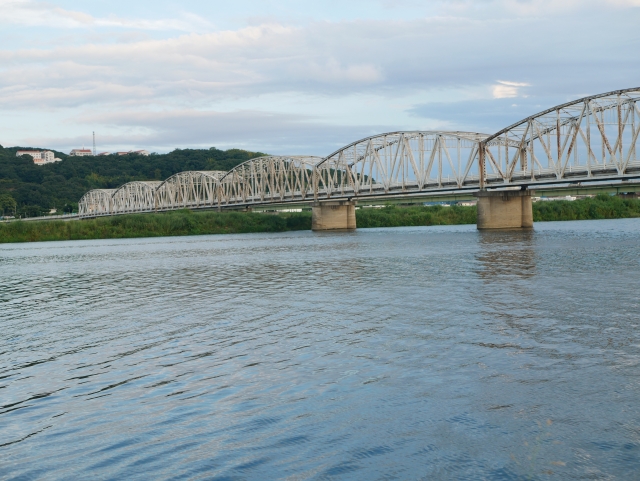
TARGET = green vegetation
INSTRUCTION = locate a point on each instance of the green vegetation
(183, 222)
(36, 189)
(7, 205)
(186, 222)
(602, 206)
(392, 216)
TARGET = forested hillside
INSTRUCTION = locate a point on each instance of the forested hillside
(36, 189)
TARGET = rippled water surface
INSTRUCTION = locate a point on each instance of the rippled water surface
(408, 353)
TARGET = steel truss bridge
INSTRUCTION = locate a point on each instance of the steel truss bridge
(589, 140)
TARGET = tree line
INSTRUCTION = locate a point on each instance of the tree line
(30, 190)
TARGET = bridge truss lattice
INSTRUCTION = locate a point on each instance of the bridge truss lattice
(590, 139)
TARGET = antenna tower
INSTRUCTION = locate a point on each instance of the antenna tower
(94, 144)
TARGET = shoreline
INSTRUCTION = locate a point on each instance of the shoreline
(186, 222)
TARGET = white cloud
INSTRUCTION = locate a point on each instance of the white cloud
(505, 89)
(320, 59)
(39, 14)
(332, 71)
(193, 67)
(538, 8)
(624, 3)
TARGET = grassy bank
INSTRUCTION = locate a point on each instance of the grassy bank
(153, 225)
(602, 206)
(392, 216)
(197, 223)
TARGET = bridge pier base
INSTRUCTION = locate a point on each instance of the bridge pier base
(505, 209)
(333, 215)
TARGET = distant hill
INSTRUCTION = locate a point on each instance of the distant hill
(37, 189)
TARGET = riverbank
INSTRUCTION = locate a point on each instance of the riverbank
(184, 222)
(177, 223)
(602, 206)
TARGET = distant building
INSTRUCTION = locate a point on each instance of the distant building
(39, 157)
(101, 154)
(81, 152)
(569, 198)
(139, 152)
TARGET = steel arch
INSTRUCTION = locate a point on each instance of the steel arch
(268, 179)
(137, 196)
(401, 162)
(188, 189)
(96, 202)
(593, 138)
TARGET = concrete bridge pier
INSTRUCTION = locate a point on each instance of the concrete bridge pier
(333, 215)
(505, 209)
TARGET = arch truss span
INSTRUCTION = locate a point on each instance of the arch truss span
(96, 202)
(401, 162)
(269, 179)
(593, 138)
(191, 189)
(135, 196)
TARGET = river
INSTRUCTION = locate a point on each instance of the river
(398, 353)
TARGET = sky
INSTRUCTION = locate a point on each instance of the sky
(295, 76)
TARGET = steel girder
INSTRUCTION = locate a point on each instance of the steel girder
(593, 138)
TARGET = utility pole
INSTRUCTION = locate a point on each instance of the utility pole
(94, 144)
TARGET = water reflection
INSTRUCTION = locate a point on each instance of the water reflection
(506, 253)
(507, 268)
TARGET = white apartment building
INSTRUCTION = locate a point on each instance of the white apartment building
(39, 157)
(81, 152)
